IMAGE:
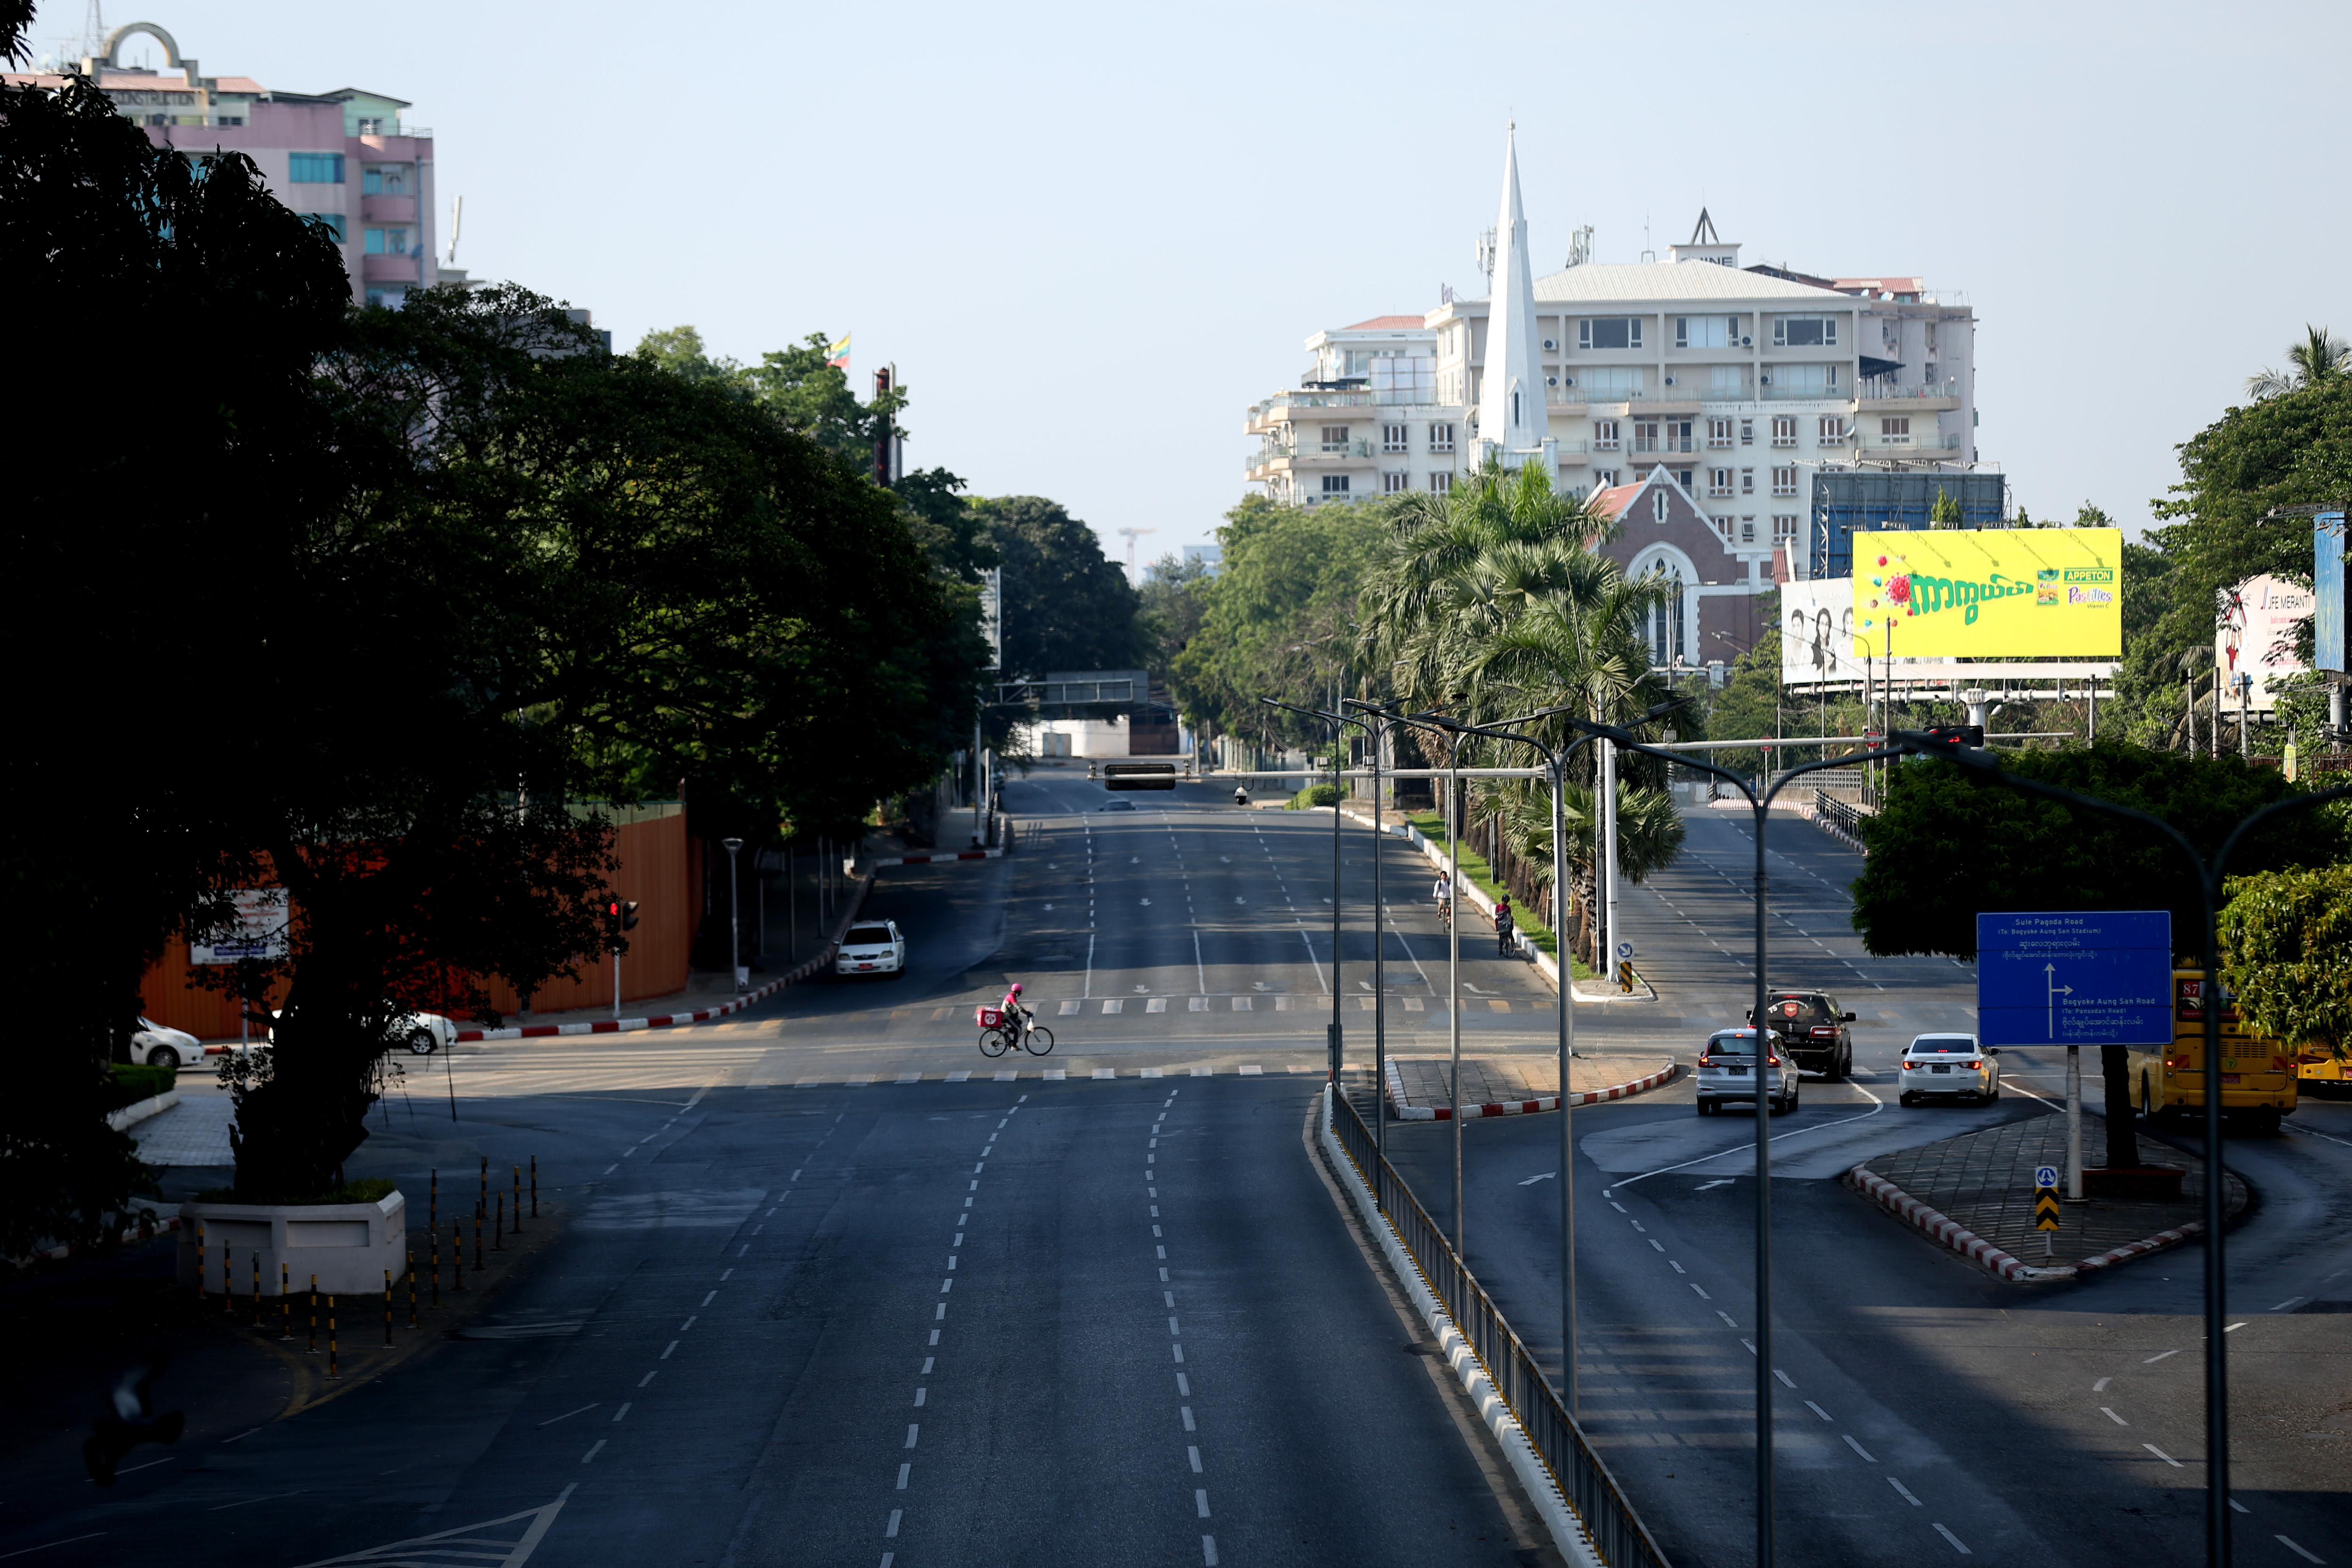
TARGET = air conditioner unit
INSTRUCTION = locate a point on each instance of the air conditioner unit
(1670, 381)
(1568, 381)
(1551, 381)
(1747, 342)
(1765, 377)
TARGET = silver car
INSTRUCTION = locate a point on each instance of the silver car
(1729, 1073)
(1948, 1066)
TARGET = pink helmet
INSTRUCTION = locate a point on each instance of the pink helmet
(1016, 988)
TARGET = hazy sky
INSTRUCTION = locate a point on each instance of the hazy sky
(1088, 236)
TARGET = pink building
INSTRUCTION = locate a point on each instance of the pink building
(342, 156)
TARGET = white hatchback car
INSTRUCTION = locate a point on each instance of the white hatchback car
(1728, 1073)
(1948, 1066)
(422, 1033)
(160, 1046)
(874, 948)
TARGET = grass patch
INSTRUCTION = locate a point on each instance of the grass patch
(366, 1190)
(1313, 795)
(135, 1081)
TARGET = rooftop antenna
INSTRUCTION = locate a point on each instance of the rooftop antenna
(1580, 245)
(1486, 254)
(1647, 254)
(93, 32)
(1130, 535)
(456, 224)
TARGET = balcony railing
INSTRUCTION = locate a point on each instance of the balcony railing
(1779, 392)
(1597, 394)
(1928, 441)
(1315, 400)
(1667, 444)
(1883, 392)
(1271, 453)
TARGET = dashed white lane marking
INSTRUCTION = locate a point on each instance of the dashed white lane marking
(2165, 1457)
(1867, 1457)
(2111, 1415)
(1817, 1410)
(592, 1453)
(2298, 1551)
(1899, 1487)
(2158, 1357)
(1957, 1545)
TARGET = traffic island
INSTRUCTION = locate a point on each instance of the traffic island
(1974, 1194)
(1419, 1087)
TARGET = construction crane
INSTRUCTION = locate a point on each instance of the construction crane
(1131, 535)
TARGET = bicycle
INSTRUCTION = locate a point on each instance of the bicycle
(1445, 912)
(998, 1035)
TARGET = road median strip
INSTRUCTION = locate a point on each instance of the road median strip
(1403, 1111)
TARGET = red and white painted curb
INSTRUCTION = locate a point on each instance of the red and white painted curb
(1404, 1112)
(1983, 1253)
(672, 1020)
(997, 854)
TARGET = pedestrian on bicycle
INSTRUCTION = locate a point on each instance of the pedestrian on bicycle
(1438, 890)
(1503, 925)
(1016, 1017)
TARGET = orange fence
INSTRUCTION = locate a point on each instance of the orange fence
(654, 871)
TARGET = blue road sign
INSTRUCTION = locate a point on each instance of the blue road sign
(2074, 977)
(2045, 1175)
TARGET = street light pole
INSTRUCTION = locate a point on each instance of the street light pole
(734, 916)
(1378, 732)
(1337, 723)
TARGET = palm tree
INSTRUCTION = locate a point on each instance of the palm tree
(2321, 356)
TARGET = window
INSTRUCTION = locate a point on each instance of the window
(1747, 432)
(1396, 438)
(1392, 484)
(1604, 435)
(1609, 333)
(1748, 481)
(1678, 434)
(1719, 433)
(1784, 482)
(1658, 505)
(1645, 435)
(1927, 373)
(387, 242)
(1613, 383)
(315, 168)
(1804, 331)
(1784, 530)
(1895, 430)
(1718, 482)
(1441, 439)
(1706, 332)
(1727, 381)
(1683, 476)
(390, 299)
(1440, 483)
(1833, 432)
(1335, 485)
(1784, 430)
(1335, 437)
(1804, 380)
(1746, 531)
(333, 222)
(1666, 619)
(1602, 478)
(375, 242)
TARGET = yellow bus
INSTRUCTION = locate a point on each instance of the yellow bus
(2258, 1076)
(2323, 1071)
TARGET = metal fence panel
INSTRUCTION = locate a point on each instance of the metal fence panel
(1617, 1532)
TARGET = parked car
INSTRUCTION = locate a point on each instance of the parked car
(422, 1033)
(160, 1046)
(1810, 1031)
(1729, 1073)
(1948, 1066)
(877, 948)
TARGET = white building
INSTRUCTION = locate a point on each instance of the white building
(1739, 382)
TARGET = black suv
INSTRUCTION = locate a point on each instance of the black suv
(1810, 1031)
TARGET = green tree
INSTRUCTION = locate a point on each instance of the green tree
(1945, 513)
(680, 351)
(812, 398)
(2286, 950)
(1170, 603)
(1067, 606)
(2320, 356)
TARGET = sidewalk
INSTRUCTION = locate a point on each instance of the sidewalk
(1975, 1193)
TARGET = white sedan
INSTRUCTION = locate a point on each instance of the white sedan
(162, 1046)
(422, 1033)
(1951, 1067)
(877, 948)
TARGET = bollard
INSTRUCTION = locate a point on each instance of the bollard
(534, 1186)
(387, 1308)
(285, 1305)
(436, 1266)
(477, 1238)
(518, 1200)
(200, 1260)
(412, 1287)
(333, 1369)
(482, 1204)
(314, 1316)
(257, 1290)
(433, 1204)
(228, 1284)
(457, 1256)
(499, 1227)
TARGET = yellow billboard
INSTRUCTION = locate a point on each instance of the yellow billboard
(2012, 593)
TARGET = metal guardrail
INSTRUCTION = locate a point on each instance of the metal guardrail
(1840, 816)
(1618, 1535)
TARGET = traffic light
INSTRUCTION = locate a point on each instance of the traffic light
(622, 913)
(1958, 735)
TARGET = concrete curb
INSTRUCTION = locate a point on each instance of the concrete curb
(673, 1020)
(1524, 1107)
(139, 1111)
(1567, 1530)
(1983, 1253)
(137, 1233)
(936, 860)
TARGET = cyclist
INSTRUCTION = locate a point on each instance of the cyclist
(1017, 1018)
(1503, 925)
(1440, 895)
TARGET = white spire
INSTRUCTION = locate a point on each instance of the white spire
(1511, 391)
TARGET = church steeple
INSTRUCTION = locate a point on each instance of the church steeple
(1511, 411)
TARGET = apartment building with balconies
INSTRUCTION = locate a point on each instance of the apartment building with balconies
(343, 157)
(1364, 419)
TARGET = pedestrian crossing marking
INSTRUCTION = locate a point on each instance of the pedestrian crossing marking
(1157, 1004)
(1200, 1004)
(1068, 1006)
(1244, 1005)
(1114, 1005)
